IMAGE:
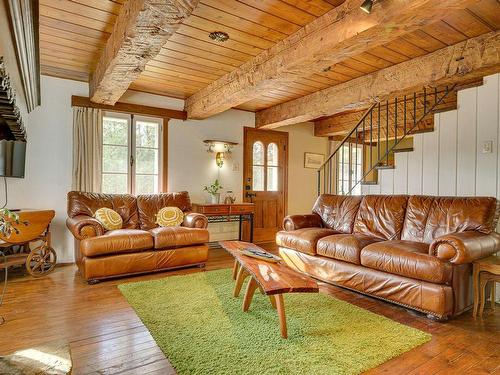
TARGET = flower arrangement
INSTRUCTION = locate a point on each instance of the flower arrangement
(214, 191)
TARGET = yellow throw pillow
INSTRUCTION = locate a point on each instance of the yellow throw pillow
(169, 217)
(109, 218)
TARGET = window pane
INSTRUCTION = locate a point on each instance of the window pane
(146, 161)
(114, 183)
(272, 154)
(114, 131)
(272, 178)
(258, 178)
(146, 184)
(114, 159)
(258, 154)
(146, 134)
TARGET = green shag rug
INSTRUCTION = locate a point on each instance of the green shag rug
(202, 329)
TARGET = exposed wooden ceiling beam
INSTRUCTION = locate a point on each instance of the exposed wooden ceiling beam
(343, 32)
(465, 61)
(81, 101)
(141, 29)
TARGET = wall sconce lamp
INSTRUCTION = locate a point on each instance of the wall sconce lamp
(221, 149)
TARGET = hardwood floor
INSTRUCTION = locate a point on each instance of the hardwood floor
(106, 337)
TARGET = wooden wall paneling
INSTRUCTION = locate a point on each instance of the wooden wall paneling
(447, 138)
(466, 141)
(386, 181)
(430, 166)
(401, 173)
(487, 130)
(375, 189)
(415, 160)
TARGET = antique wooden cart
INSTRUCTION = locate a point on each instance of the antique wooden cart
(30, 244)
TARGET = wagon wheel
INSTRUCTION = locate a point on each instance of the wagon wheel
(41, 261)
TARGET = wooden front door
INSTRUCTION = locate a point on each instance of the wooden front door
(265, 173)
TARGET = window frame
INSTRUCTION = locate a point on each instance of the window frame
(132, 119)
(339, 168)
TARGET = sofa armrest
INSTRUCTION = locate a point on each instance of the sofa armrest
(293, 222)
(465, 247)
(195, 220)
(83, 226)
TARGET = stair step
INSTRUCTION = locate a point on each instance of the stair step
(384, 166)
(369, 183)
(408, 149)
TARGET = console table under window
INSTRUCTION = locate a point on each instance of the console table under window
(223, 213)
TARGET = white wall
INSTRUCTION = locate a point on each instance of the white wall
(450, 161)
(49, 156)
(302, 182)
(49, 159)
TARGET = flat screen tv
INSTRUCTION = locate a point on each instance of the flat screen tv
(12, 158)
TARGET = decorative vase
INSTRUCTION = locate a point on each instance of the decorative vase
(215, 198)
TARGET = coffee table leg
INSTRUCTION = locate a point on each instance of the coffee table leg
(273, 302)
(242, 274)
(235, 269)
(251, 287)
(280, 305)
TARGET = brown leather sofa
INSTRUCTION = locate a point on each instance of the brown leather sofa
(416, 251)
(140, 246)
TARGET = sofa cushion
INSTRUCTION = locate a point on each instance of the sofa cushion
(148, 206)
(381, 216)
(337, 212)
(346, 247)
(116, 242)
(406, 258)
(428, 218)
(303, 240)
(174, 237)
(81, 203)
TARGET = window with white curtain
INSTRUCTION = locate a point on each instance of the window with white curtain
(132, 154)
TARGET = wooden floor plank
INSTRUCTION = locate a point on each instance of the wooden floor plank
(106, 336)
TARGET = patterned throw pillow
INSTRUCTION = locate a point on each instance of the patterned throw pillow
(169, 217)
(109, 218)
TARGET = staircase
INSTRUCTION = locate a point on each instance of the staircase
(383, 130)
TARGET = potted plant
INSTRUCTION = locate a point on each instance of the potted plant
(214, 191)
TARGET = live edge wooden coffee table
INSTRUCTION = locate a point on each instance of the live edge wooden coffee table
(273, 279)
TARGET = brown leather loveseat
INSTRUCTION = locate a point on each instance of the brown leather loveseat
(140, 246)
(416, 251)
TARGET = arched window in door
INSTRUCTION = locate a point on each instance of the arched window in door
(258, 165)
(272, 167)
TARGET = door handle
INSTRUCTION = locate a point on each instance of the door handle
(250, 195)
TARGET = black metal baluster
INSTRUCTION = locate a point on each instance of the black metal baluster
(342, 154)
(371, 139)
(395, 120)
(414, 110)
(387, 133)
(356, 159)
(378, 135)
(404, 117)
(350, 167)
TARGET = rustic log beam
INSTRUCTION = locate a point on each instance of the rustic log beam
(141, 29)
(465, 61)
(344, 32)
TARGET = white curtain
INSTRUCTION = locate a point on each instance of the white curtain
(87, 149)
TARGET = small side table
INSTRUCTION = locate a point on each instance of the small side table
(484, 271)
(217, 213)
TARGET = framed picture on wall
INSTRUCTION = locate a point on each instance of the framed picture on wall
(312, 160)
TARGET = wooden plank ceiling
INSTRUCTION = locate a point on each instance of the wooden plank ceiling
(73, 33)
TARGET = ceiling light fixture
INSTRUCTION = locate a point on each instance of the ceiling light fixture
(219, 36)
(367, 6)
